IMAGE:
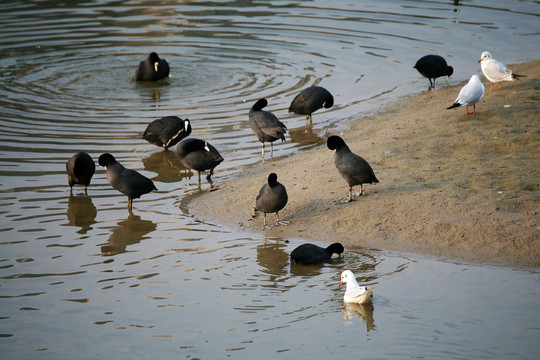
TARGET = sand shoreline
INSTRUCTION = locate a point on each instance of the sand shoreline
(451, 185)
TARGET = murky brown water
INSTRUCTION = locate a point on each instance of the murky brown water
(80, 277)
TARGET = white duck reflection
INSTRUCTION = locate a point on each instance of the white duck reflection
(364, 311)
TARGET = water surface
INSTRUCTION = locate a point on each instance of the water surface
(81, 277)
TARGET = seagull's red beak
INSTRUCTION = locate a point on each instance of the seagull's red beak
(341, 283)
(479, 60)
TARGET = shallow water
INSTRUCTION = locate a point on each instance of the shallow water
(80, 277)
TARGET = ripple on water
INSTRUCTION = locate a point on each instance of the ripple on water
(160, 280)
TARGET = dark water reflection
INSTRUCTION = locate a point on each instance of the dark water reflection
(81, 277)
(81, 212)
(128, 232)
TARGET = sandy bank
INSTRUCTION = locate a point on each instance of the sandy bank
(450, 185)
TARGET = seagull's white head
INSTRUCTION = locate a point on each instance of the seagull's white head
(345, 276)
(485, 56)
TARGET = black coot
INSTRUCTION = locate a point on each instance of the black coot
(310, 100)
(433, 66)
(266, 125)
(271, 199)
(199, 155)
(152, 68)
(167, 131)
(80, 169)
(310, 254)
(354, 169)
(128, 182)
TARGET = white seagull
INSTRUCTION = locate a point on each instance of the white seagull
(495, 71)
(470, 94)
(354, 292)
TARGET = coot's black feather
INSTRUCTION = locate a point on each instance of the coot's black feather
(80, 169)
(152, 68)
(310, 254)
(167, 131)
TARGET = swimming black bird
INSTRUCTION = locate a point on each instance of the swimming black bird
(167, 131)
(196, 154)
(128, 182)
(266, 125)
(152, 68)
(310, 100)
(271, 199)
(80, 169)
(432, 67)
(354, 169)
(310, 254)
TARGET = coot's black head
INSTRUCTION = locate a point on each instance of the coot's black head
(106, 160)
(334, 142)
(272, 179)
(450, 71)
(336, 248)
(329, 102)
(153, 57)
(187, 126)
(260, 104)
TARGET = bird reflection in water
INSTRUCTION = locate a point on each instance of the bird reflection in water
(272, 257)
(364, 311)
(167, 166)
(128, 232)
(305, 137)
(81, 212)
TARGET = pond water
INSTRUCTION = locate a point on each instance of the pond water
(81, 277)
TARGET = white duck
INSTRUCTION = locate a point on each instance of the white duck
(354, 292)
(495, 71)
(470, 94)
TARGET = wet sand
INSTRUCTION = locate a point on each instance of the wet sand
(451, 185)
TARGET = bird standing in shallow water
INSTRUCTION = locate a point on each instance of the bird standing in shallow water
(310, 100)
(310, 254)
(469, 94)
(128, 182)
(495, 71)
(80, 169)
(355, 293)
(167, 131)
(353, 168)
(432, 67)
(152, 68)
(271, 199)
(266, 125)
(199, 155)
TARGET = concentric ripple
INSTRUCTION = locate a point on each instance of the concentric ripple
(80, 274)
